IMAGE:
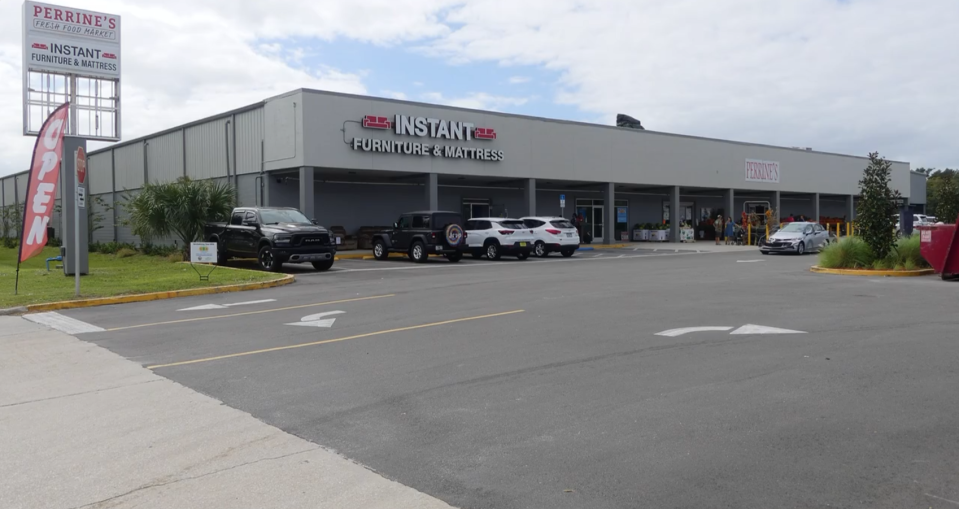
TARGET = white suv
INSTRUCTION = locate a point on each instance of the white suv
(553, 234)
(497, 236)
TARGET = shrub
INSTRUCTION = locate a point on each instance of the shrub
(908, 249)
(848, 253)
(10, 242)
(909, 265)
(126, 252)
(882, 264)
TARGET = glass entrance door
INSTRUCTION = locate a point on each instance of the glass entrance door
(598, 220)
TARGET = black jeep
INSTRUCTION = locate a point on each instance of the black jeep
(419, 234)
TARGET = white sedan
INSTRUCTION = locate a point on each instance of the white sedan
(552, 234)
(497, 236)
(796, 238)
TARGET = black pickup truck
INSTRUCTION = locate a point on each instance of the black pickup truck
(419, 234)
(274, 236)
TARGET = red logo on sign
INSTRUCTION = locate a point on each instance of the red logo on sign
(374, 122)
(81, 164)
(109, 55)
(485, 133)
(37, 45)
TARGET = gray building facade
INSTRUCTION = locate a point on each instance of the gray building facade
(355, 161)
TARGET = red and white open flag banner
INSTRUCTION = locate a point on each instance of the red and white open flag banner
(42, 183)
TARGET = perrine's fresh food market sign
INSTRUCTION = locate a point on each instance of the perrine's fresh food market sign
(66, 40)
(424, 127)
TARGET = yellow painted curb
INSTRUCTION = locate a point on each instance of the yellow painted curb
(605, 246)
(146, 297)
(877, 273)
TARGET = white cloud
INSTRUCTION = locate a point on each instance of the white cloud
(848, 76)
(392, 94)
(183, 60)
(475, 100)
(516, 80)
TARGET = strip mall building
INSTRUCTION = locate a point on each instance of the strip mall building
(357, 161)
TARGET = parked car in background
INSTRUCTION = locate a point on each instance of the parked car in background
(496, 237)
(552, 234)
(273, 236)
(798, 237)
(419, 234)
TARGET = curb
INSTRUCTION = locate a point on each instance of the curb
(13, 311)
(877, 273)
(590, 247)
(146, 297)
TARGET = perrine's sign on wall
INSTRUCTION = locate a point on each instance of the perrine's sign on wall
(762, 171)
(425, 127)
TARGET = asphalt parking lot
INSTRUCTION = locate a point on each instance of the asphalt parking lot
(544, 383)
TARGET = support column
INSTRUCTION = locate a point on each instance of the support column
(777, 204)
(850, 208)
(307, 192)
(530, 197)
(68, 196)
(609, 222)
(815, 207)
(674, 214)
(731, 204)
(432, 191)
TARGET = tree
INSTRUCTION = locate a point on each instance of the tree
(877, 206)
(933, 192)
(947, 197)
(178, 208)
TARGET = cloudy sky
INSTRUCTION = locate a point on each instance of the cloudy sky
(848, 76)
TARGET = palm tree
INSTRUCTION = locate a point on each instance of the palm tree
(178, 208)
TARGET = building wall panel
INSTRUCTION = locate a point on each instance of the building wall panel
(165, 157)
(129, 167)
(206, 150)
(100, 173)
(249, 135)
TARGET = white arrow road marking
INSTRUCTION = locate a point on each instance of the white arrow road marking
(749, 261)
(224, 306)
(679, 332)
(762, 329)
(318, 320)
(62, 323)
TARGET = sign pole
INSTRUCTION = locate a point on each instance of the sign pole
(76, 223)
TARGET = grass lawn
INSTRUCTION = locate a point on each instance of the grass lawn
(109, 275)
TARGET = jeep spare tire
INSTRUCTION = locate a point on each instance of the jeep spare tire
(454, 235)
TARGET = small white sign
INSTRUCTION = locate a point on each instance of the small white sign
(81, 197)
(202, 252)
(762, 171)
(925, 236)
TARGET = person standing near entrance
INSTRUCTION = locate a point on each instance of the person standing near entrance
(718, 225)
(730, 230)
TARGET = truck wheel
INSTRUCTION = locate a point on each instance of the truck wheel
(221, 257)
(418, 252)
(379, 250)
(267, 261)
(324, 265)
(492, 251)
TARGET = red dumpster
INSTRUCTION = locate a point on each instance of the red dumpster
(939, 245)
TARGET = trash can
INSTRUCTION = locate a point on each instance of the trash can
(939, 245)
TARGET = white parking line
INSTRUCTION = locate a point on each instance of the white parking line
(62, 323)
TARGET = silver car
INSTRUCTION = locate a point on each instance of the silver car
(796, 238)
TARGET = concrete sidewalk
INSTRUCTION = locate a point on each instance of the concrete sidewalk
(83, 427)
